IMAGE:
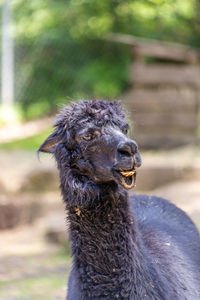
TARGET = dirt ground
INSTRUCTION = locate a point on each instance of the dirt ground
(31, 266)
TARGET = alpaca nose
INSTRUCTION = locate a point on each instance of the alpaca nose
(127, 148)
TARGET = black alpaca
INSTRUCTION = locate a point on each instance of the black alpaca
(137, 248)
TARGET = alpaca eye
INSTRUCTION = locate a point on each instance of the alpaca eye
(87, 137)
(91, 135)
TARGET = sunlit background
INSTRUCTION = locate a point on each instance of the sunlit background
(144, 52)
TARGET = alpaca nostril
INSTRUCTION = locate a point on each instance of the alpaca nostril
(124, 152)
(127, 149)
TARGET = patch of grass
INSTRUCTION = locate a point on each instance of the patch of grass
(62, 256)
(47, 280)
(49, 287)
(30, 143)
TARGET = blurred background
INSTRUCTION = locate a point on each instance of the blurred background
(144, 52)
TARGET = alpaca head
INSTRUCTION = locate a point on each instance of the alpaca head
(90, 143)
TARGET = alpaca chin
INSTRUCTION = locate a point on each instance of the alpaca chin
(80, 191)
(77, 190)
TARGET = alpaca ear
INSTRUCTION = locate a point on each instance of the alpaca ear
(50, 143)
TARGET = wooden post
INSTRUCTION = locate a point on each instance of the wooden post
(163, 99)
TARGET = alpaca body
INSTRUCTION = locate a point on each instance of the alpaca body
(120, 251)
(142, 248)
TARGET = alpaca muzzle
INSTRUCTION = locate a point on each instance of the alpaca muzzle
(128, 178)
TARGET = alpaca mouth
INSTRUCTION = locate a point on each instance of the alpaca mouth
(128, 178)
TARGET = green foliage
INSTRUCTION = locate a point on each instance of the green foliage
(38, 109)
(61, 52)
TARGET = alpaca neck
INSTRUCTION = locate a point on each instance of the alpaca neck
(106, 248)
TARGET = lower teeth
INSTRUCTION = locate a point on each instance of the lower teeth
(128, 182)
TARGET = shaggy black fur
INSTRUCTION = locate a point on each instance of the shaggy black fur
(138, 248)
